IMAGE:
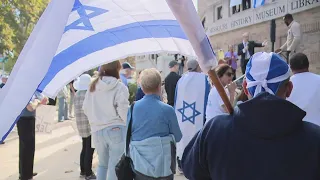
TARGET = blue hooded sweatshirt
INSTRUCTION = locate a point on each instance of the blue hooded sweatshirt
(265, 139)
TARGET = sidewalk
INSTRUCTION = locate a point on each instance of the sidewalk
(56, 158)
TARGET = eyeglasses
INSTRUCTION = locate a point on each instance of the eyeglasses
(229, 74)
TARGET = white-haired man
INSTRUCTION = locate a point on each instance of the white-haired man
(246, 50)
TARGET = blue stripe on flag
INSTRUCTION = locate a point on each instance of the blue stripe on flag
(14, 123)
(175, 96)
(206, 94)
(109, 38)
(10, 129)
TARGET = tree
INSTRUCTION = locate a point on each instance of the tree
(17, 19)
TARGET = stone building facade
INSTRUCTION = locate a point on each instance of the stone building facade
(225, 25)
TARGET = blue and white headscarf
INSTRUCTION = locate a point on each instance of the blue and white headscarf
(265, 72)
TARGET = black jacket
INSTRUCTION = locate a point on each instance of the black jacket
(265, 139)
(251, 46)
(170, 84)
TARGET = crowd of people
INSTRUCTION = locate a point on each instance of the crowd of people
(182, 122)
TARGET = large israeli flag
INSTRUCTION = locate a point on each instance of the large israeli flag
(100, 31)
(192, 93)
(73, 36)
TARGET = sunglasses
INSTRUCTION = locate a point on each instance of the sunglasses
(229, 74)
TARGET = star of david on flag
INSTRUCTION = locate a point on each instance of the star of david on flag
(84, 16)
(192, 117)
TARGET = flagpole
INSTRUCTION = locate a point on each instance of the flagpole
(189, 21)
(215, 80)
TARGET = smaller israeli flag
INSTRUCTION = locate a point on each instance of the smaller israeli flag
(258, 3)
(190, 106)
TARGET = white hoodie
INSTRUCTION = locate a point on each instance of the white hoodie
(107, 105)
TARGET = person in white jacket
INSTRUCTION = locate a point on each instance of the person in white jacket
(106, 105)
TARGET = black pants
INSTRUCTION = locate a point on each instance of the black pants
(26, 132)
(244, 65)
(52, 102)
(86, 156)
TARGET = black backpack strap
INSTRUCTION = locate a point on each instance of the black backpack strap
(129, 130)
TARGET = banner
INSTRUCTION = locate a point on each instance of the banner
(45, 119)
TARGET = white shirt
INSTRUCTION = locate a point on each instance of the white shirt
(294, 37)
(247, 54)
(214, 105)
(306, 95)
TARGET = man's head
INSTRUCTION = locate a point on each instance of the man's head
(127, 69)
(4, 79)
(245, 37)
(299, 63)
(231, 48)
(150, 80)
(193, 66)
(267, 72)
(288, 19)
(174, 66)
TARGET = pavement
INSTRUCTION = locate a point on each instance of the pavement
(56, 157)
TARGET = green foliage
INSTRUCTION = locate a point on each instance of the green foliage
(132, 92)
(17, 19)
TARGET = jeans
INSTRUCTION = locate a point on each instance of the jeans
(26, 132)
(109, 143)
(86, 156)
(71, 104)
(63, 109)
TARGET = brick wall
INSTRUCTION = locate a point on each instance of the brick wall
(310, 25)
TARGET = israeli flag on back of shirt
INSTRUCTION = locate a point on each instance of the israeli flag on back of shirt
(190, 106)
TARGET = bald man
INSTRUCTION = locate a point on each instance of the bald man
(246, 50)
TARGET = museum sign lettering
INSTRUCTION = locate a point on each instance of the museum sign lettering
(261, 14)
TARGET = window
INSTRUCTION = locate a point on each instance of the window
(219, 12)
(203, 22)
(246, 4)
(236, 9)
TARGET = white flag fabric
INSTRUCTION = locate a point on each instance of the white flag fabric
(32, 64)
(188, 18)
(74, 36)
(190, 106)
(258, 3)
(101, 31)
(235, 2)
